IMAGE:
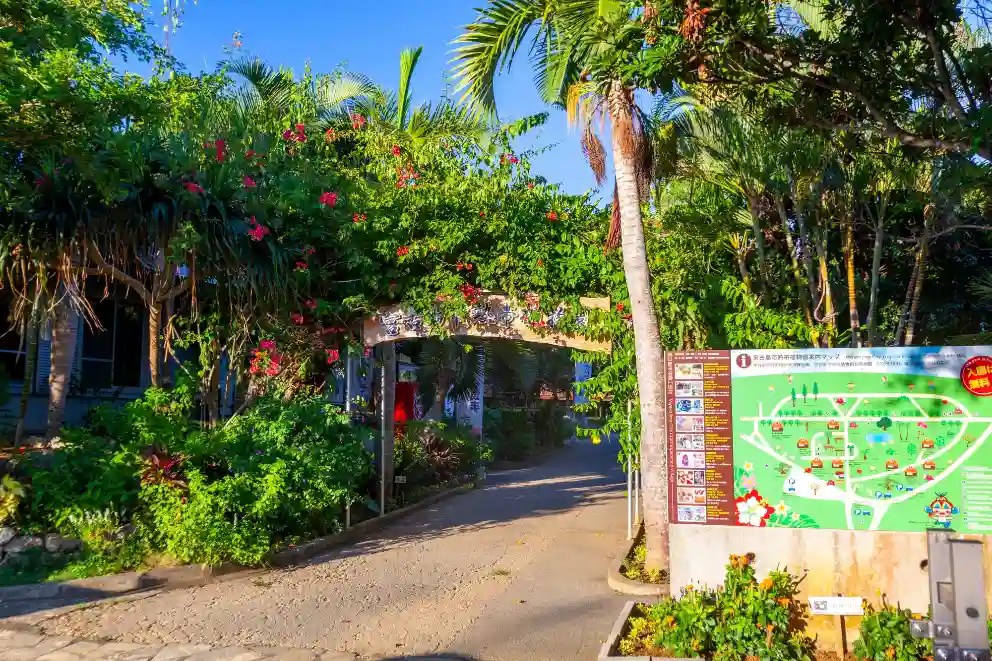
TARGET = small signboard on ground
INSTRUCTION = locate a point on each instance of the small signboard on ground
(835, 606)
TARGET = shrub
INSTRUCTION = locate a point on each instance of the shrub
(884, 636)
(510, 433)
(283, 470)
(428, 452)
(553, 426)
(743, 618)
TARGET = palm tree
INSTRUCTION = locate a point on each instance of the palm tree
(576, 41)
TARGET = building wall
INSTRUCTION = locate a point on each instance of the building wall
(861, 563)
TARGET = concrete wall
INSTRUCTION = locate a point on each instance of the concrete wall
(835, 562)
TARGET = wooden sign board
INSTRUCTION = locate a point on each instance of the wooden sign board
(493, 316)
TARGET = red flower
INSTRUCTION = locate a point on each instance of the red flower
(530, 184)
(328, 199)
(250, 154)
(482, 214)
(312, 304)
(358, 217)
(552, 215)
(459, 266)
(249, 182)
(297, 318)
(619, 307)
(220, 145)
(193, 187)
(402, 250)
(288, 135)
(257, 231)
(300, 128)
(267, 345)
(332, 355)
(540, 262)
(330, 135)
(468, 267)
(301, 266)
(310, 251)
(514, 160)
(357, 121)
(301, 137)
(21, 449)
(396, 150)
(367, 351)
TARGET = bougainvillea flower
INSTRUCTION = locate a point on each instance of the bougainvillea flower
(310, 251)
(552, 215)
(250, 154)
(300, 128)
(296, 317)
(193, 187)
(288, 135)
(249, 182)
(301, 266)
(396, 150)
(257, 231)
(312, 304)
(267, 345)
(332, 355)
(328, 199)
(367, 351)
(221, 149)
(402, 250)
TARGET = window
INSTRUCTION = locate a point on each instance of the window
(111, 357)
(12, 353)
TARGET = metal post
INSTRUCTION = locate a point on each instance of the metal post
(637, 495)
(382, 435)
(630, 477)
(347, 379)
(959, 622)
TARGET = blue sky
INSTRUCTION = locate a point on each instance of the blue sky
(367, 37)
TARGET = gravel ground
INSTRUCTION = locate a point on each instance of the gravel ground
(513, 571)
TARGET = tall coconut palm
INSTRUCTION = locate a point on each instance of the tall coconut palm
(588, 40)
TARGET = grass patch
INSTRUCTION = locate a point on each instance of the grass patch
(37, 566)
(501, 572)
(633, 566)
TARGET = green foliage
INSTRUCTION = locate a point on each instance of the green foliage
(884, 636)
(428, 453)
(283, 470)
(510, 433)
(742, 618)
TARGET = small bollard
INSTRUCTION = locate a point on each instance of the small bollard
(959, 617)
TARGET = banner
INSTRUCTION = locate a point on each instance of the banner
(492, 316)
(858, 439)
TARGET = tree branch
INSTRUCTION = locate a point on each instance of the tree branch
(177, 290)
(108, 269)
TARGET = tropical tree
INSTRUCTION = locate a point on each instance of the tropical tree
(593, 42)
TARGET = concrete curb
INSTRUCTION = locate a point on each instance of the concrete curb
(185, 576)
(620, 583)
(611, 648)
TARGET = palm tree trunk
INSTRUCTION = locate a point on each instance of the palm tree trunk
(759, 243)
(921, 263)
(780, 204)
(649, 357)
(826, 293)
(852, 298)
(436, 411)
(30, 364)
(63, 353)
(904, 310)
(154, 327)
(876, 267)
(806, 245)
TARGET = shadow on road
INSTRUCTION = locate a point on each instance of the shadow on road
(578, 475)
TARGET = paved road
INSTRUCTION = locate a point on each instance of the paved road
(513, 571)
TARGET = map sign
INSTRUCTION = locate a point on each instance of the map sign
(859, 439)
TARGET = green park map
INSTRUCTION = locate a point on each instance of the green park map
(897, 443)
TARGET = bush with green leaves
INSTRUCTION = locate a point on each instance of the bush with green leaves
(884, 636)
(429, 452)
(742, 618)
(510, 433)
(281, 471)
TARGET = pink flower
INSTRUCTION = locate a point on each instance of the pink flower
(297, 318)
(328, 199)
(309, 251)
(257, 231)
(273, 370)
(193, 187)
(254, 369)
(530, 184)
(332, 355)
(312, 304)
(367, 351)
(301, 266)
(267, 345)
(288, 135)
(249, 182)
(396, 150)
(250, 154)
(220, 145)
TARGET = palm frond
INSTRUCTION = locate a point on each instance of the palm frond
(408, 63)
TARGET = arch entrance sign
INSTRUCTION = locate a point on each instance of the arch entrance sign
(492, 316)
